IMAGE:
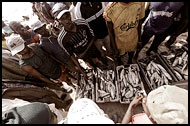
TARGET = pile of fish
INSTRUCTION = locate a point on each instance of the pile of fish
(156, 74)
(129, 82)
(86, 88)
(106, 86)
(179, 63)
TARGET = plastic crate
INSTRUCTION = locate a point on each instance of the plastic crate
(104, 76)
(169, 62)
(86, 84)
(121, 86)
(156, 58)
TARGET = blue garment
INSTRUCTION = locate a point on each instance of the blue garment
(51, 46)
(162, 15)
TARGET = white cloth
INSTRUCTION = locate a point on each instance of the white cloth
(85, 111)
(168, 104)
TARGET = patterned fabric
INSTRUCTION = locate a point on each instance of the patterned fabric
(76, 42)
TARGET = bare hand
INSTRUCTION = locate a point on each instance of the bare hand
(137, 100)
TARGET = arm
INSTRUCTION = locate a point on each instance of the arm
(35, 73)
(112, 38)
(75, 60)
(128, 116)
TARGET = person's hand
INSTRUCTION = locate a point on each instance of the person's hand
(137, 100)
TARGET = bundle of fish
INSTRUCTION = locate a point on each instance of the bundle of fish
(179, 64)
(86, 88)
(106, 86)
(157, 75)
(129, 82)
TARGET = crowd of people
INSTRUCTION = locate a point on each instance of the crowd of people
(100, 33)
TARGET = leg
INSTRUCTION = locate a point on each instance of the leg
(130, 57)
(124, 59)
(156, 42)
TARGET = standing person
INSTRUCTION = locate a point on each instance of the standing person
(37, 63)
(77, 38)
(124, 26)
(28, 35)
(161, 17)
(179, 26)
(92, 12)
(163, 105)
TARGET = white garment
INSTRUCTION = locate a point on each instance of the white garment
(85, 111)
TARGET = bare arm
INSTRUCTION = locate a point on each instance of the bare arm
(35, 73)
(128, 115)
(112, 38)
(75, 60)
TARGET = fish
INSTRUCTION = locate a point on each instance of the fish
(102, 93)
(170, 56)
(178, 75)
(101, 85)
(112, 91)
(129, 92)
(149, 74)
(148, 67)
(180, 60)
(176, 61)
(165, 80)
(154, 65)
(122, 73)
(184, 54)
(184, 67)
(123, 92)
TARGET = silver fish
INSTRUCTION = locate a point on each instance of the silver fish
(102, 93)
(148, 67)
(184, 54)
(184, 67)
(130, 92)
(154, 65)
(178, 75)
(165, 80)
(180, 60)
(112, 91)
(101, 85)
(176, 61)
